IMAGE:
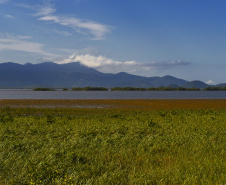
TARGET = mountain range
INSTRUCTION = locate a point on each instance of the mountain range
(53, 75)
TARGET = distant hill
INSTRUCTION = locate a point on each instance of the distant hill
(52, 75)
(196, 84)
(221, 85)
(46, 74)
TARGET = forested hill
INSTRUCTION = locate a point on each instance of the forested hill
(69, 75)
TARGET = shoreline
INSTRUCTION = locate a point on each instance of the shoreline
(150, 104)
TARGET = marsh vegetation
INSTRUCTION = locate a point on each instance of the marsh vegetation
(112, 146)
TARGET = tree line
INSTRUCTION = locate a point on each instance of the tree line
(135, 89)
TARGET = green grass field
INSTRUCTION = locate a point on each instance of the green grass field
(112, 146)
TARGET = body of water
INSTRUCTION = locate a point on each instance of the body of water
(29, 94)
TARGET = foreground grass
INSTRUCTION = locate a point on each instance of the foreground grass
(112, 146)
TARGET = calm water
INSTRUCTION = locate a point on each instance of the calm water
(29, 94)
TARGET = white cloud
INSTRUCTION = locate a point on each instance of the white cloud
(108, 65)
(20, 37)
(9, 16)
(88, 60)
(47, 13)
(47, 9)
(20, 43)
(210, 82)
(41, 10)
(27, 6)
(64, 33)
(4, 1)
(98, 30)
(168, 64)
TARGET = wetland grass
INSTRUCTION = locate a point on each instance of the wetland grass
(112, 146)
(150, 104)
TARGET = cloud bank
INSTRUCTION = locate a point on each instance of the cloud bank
(108, 65)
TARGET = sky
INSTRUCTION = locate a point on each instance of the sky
(182, 38)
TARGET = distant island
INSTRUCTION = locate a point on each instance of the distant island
(43, 89)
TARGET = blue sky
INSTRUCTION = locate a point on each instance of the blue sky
(182, 38)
